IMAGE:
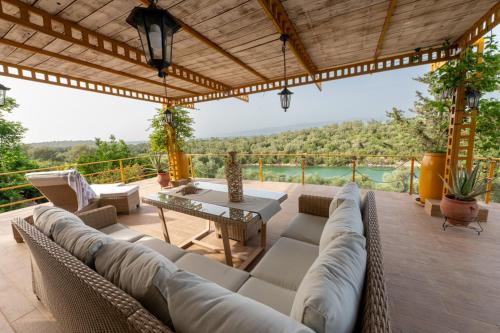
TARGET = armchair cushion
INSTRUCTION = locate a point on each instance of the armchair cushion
(329, 295)
(278, 298)
(46, 218)
(120, 232)
(198, 305)
(140, 272)
(169, 251)
(348, 191)
(306, 228)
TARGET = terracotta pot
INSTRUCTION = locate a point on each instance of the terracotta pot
(459, 212)
(430, 186)
(163, 179)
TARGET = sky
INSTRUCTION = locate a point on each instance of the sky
(53, 113)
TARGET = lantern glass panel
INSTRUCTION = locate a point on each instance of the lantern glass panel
(2, 97)
(285, 98)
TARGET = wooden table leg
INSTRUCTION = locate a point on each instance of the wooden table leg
(225, 241)
(164, 224)
(263, 235)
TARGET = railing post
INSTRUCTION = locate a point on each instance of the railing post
(303, 167)
(489, 186)
(261, 175)
(354, 170)
(412, 173)
(122, 172)
(191, 166)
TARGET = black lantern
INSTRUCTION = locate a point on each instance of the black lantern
(169, 117)
(3, 94)
(156, 29)
(472, 97)
(285, 94)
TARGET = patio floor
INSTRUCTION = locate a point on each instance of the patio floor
(437, 281)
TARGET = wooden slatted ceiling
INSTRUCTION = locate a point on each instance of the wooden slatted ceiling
(333, 32)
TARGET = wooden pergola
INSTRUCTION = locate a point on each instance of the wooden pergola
(231, 48)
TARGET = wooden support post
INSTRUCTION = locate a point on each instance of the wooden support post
(191, 167)
(122, 172)
(489, 186)
(354, 170)
(261, 175)
(412, 174)
(303, 169)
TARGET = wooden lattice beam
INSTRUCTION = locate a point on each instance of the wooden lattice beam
(278, 15)
(385, 27)
(205, 40)
(17, 12)
(482, 26)
(37, 75)
(90, 65)
(340, 72)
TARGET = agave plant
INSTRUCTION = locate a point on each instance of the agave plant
(466, 186)
(158, 163)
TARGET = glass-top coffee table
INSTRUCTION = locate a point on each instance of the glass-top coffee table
(221, 215)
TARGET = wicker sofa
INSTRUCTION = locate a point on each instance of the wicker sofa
(83, 301)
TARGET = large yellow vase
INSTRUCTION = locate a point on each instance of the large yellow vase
(430, 185)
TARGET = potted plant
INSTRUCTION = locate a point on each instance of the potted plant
(459, 206)
(160, 165)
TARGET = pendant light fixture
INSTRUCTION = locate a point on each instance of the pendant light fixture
(156, 28)
(285, 94)
(3, 94)
(168, 115)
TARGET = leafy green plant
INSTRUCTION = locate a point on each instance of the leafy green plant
(466, 186)
(183, 128)
(159, 164)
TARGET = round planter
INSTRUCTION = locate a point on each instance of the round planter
(459, 212)
(430, 186)
(163, 179)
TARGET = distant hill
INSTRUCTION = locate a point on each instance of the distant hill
(70, 143)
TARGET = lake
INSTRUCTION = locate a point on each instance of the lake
(376, 174)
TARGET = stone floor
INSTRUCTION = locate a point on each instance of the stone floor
(438, 281)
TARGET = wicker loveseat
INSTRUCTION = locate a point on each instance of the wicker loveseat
(83, 301)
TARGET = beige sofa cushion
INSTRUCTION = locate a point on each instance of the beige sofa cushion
(80, 240)
(198, 305)
(328, 297)
(286, 263)
(278, 298)
(225, 276)
(306, 228)
(347, 217)
(348, 191)
(45, 219)
(120, 232)
(169, 251)
(140, 272)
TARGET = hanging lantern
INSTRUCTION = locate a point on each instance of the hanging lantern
(472, 97)
(169, 117)
(285, 94)
(3, 94)
(156, 28)
(446, 94)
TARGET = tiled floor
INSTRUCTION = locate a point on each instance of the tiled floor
(438, 281)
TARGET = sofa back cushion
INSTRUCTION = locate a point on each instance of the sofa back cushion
(348, 191)
(46, 218)
(140, 272)
(328, 297)
(347, 217)
(198, 305)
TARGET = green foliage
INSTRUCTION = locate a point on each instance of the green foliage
(183, 128)
(465, 186)
(488, 128)
(159, 163)
(106, 150)
(474, 70)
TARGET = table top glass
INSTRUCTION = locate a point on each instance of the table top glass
(200, 209)
(280, 196)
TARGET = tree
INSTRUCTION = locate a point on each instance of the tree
(487, 128)
(183, 128)
(12, 156)
(105, 150)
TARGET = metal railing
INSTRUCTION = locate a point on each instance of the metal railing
(121, 170)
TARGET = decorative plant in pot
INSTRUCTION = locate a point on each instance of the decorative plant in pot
(459, 206)
(160, 165)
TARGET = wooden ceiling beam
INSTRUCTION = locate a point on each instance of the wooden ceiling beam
(382, 64)
(385, 27)
(41, 21)
(61, 80)
(90, 65)
(481, 27)
(277, 14)
(196, 34)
